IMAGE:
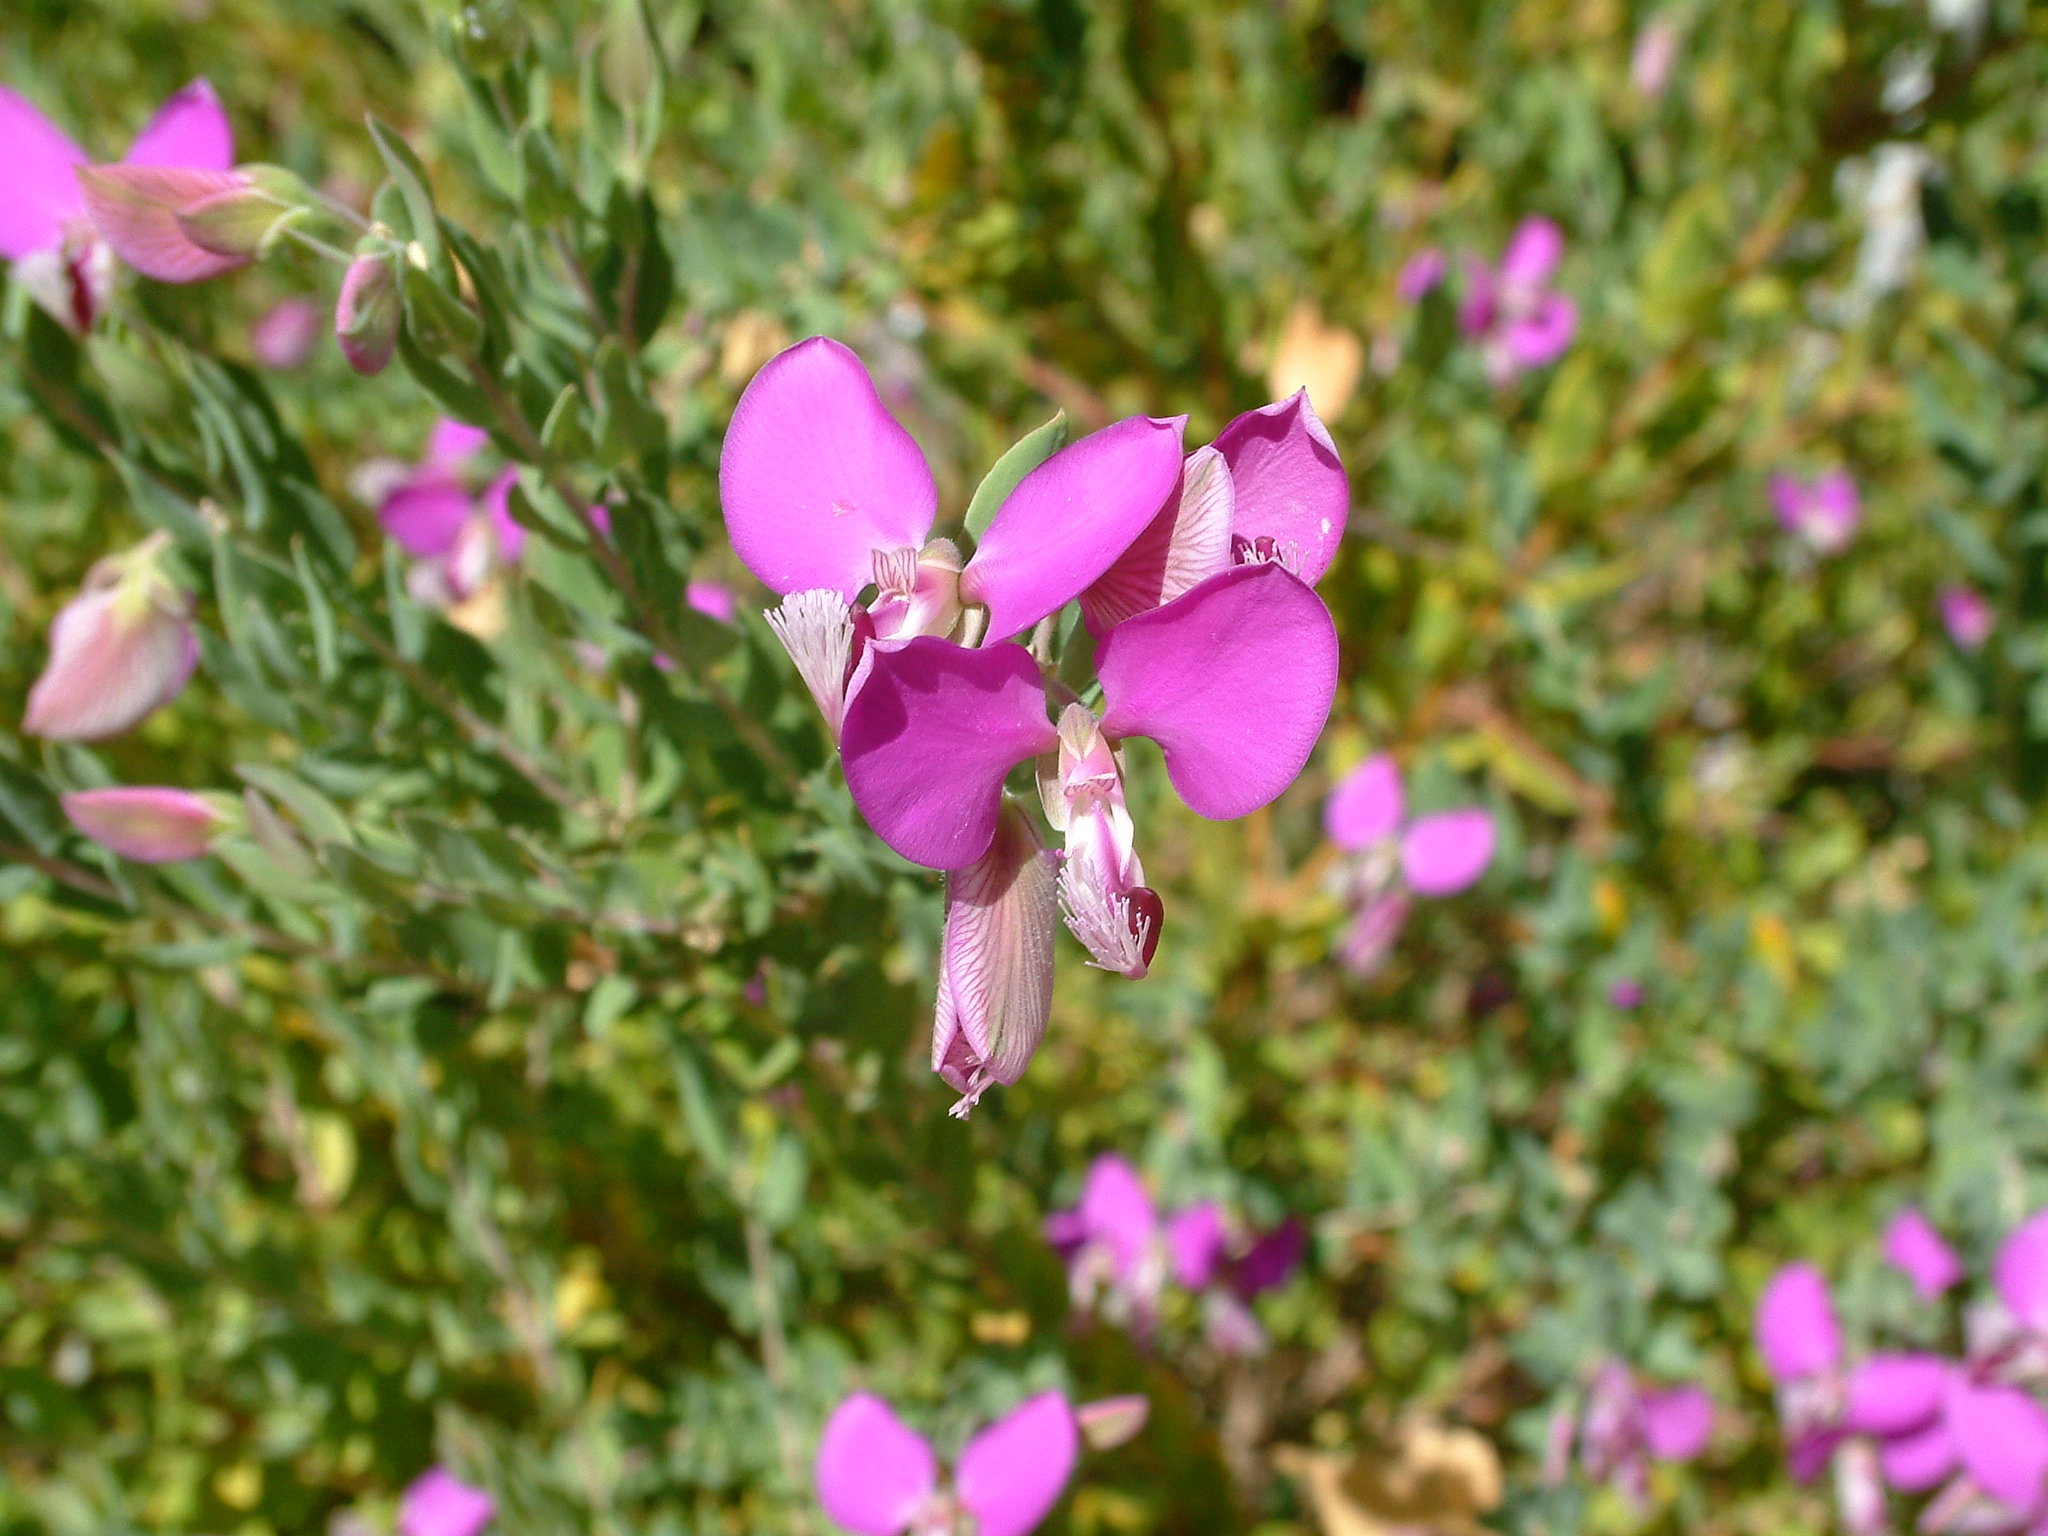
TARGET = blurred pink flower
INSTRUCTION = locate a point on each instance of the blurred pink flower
(439, 1504)
(1628, 1423)
(712, 599)
(876, 1476)
(1422, 272)
(1626, 993)
(149, 824)
(459, 534)
(1366, 816)
(1911, 1243)
(120, 650)
(367, 313)
(1656, 49)
(283, 339)
(1511, 310)
(61, 258)
(1967, 616)
(1823, 512)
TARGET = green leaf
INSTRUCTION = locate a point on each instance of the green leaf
(1025, 455)
(410, 177)
(321, 819)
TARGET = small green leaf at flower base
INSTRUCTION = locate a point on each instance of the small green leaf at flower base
(1025, 455)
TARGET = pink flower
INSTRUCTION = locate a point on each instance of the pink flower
(1120, 1257)
(439, 1504)
(1420, 273)
(1649, 64)
(149, 825)
(1627, 1423)
(461, 534)
(1795, 1325)
(1626, 994)
(1511, 310)
(2020, 1273)
(1914, 1246)
(1967, 617)
(712, 599)
(878, 1477)
(825, 493)
(283, 339)
(60, 255)
(1366, 816)
(1823, 512)
(119, 651)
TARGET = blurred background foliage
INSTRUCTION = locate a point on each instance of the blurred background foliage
(567, 1118)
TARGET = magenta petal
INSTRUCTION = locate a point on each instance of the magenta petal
(1914, 1246)
(1234, 681)
(874, 1472)
(190, 130)
(1290, 483)
(1443, 854)
(1272, 1260)
(440, 1504)
(2020, 1272)
(1194, 1241)
(1795, 1325)
(451, 444)
(1533, 253)
(1892, 1394)
(1546, 335)
(816, 475)
(148, 824)
(1011, 1474)
(1116, 1209)
(40, 197)
(1677, 1423)
(1068, 520)
(928, 738)
(1420, 273)
(713, 599)
(425, 514)
(2001, 1434)
(135, 209)
(1366, 806)
(1916, 1462)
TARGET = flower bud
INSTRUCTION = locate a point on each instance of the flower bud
(1112, 1421)
(367, 313)
(150, 825)
(120, 650)
(136, 208)
(239, 222)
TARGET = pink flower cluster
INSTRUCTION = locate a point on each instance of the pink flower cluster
(1194, 574)
(1624, 1425)
(1391, 857)
(876, 1476)
(1510, 308)
(1971, 1431)
(1121, 1256)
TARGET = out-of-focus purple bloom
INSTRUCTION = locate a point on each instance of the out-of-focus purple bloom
(878, 1477)
(119, 651)
(60, 257)
(2001, 1436)
(1967, 616)
(1627, 1424)
(1822, 512)
(1911, 1243)
(1438, 855)
(437, 1503)
(1795, 1325)
(1625, 993)
(1120, 1256)
(283, 339)
(149, 824)
(1512, 310)
(1649, 63)
(712, 599)
(459, 533)
(2020, 1273)
(1420, 273)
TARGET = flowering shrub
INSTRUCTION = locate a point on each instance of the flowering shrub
(508, 797)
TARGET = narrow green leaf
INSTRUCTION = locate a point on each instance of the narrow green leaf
(411, 179)
(321, 819)
(1029, 451)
